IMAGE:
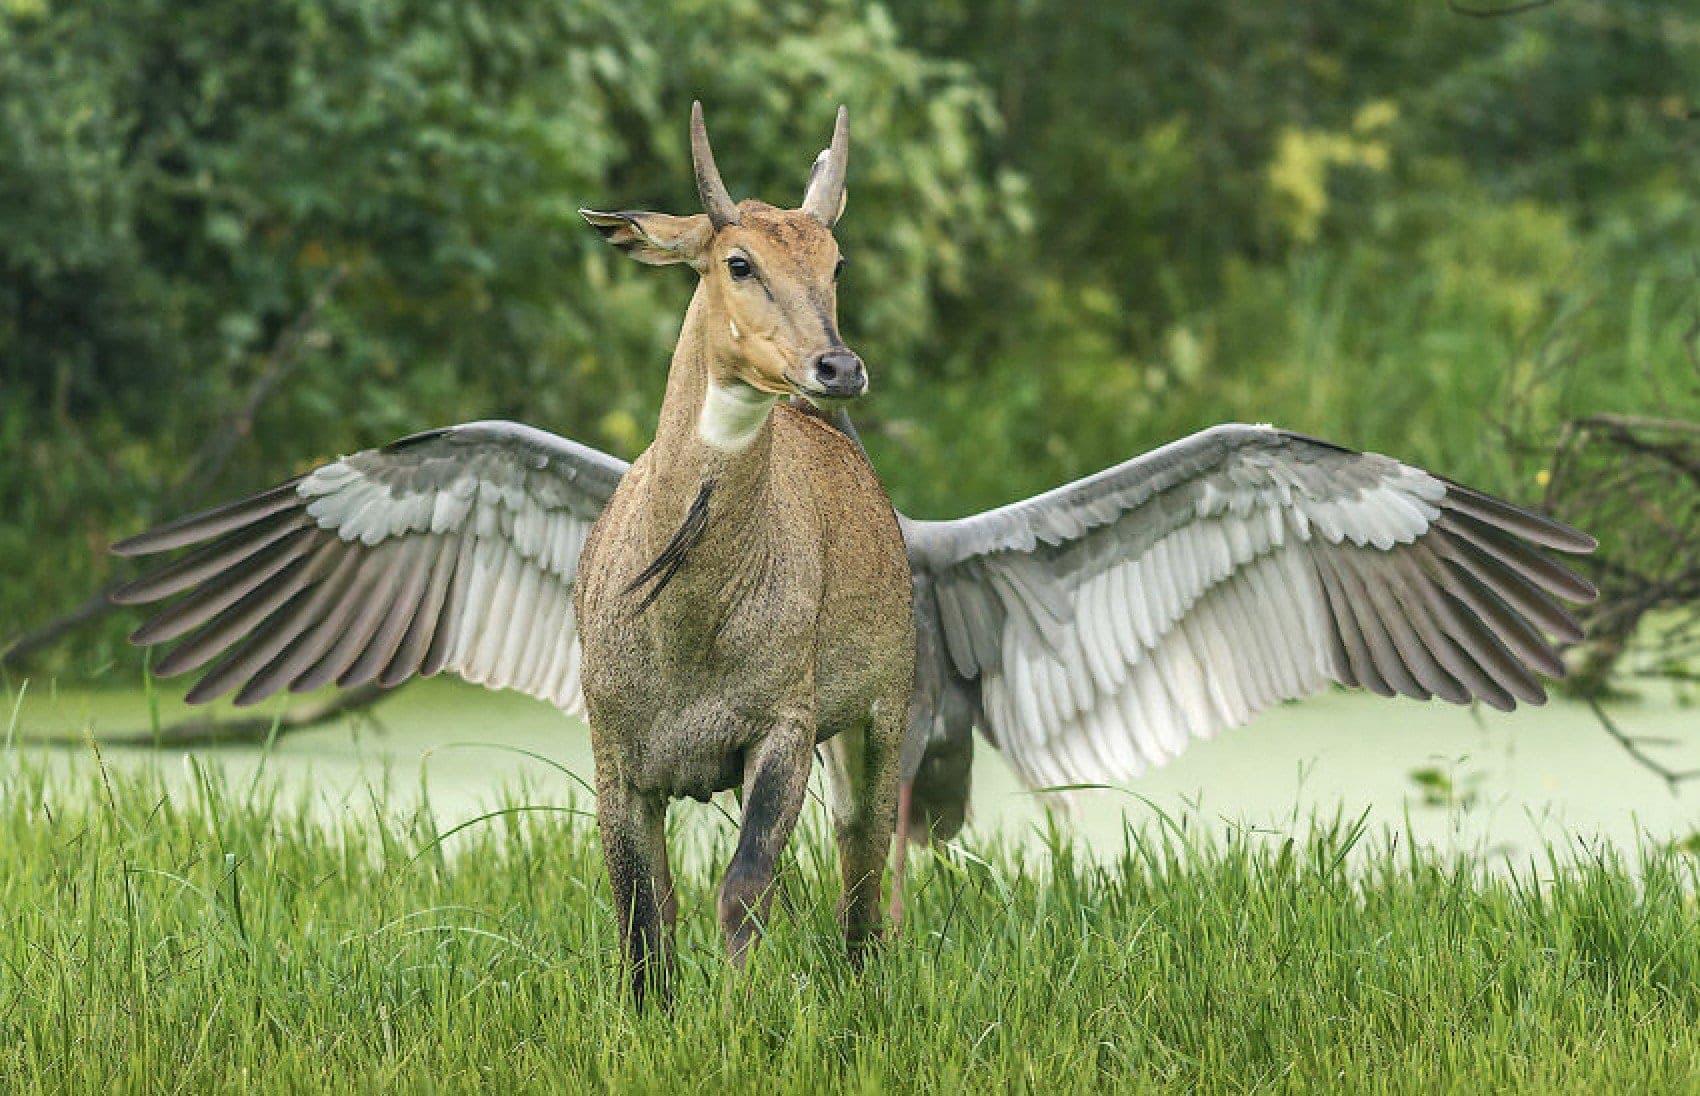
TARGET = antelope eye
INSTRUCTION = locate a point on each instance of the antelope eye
(739, 266)
(839, 268)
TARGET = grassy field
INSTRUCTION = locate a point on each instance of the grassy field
(225, 940)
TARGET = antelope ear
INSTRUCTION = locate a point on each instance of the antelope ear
(654, 238)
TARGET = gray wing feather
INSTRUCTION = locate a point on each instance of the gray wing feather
(1107, 623)
(454, 549)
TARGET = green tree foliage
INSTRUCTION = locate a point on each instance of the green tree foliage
(1075, 229)
(1378, 222)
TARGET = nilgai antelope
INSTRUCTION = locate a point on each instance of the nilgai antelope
(742, 597)
(740, 594)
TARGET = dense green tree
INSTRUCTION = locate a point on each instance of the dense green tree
(1375, 221)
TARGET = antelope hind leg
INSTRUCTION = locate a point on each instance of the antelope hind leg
(634, 849)
(864, 814)
(776, 778)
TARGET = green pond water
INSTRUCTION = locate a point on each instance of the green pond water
(1518, 782)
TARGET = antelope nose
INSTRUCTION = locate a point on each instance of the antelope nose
(839, 373)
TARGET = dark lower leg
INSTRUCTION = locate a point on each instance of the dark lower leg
(635, 852)
(775, 781)
(862, 858)
(864, 834)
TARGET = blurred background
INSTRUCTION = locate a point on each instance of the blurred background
(238, 239)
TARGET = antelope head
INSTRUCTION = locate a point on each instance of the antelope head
(768, 296)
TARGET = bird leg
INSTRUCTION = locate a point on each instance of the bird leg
(900, 857)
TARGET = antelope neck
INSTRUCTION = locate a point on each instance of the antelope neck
(732, 415)
(708, 430)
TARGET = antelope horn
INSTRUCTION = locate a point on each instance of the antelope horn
(715, 201)
(824, 198)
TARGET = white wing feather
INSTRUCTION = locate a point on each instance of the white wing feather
(1111, 622)
(451, 550)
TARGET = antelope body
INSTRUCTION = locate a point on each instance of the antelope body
(746, 594)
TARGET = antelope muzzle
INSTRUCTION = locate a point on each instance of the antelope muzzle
(836, 375)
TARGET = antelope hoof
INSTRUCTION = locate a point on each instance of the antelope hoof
(858, 947)
(652, 984)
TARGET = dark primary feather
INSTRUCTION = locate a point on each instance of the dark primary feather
(207, 524)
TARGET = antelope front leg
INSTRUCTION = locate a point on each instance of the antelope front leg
(634, 848)
(776, 777)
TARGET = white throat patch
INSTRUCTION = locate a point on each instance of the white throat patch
(732, 415)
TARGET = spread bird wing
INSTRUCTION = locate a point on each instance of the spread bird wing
(1111, 621)
(454, 549)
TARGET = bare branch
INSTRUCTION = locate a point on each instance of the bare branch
(280, 361)
(1673, 778)
(1634, 479)
(204, 731)
(21, 647)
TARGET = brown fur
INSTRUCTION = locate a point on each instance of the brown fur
(787, 623)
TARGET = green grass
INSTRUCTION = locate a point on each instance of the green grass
(227, 939)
